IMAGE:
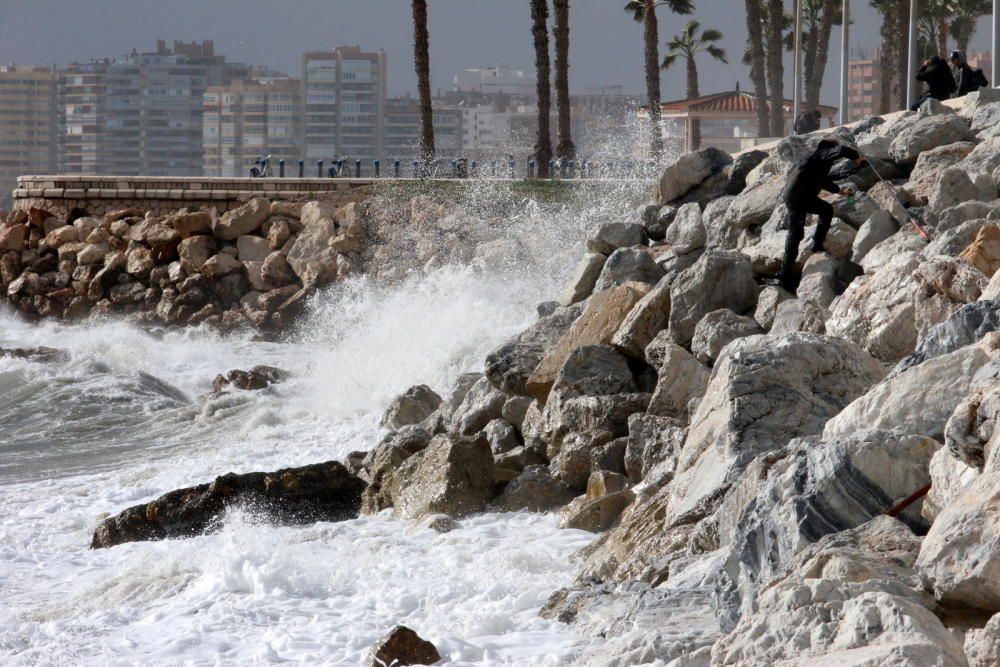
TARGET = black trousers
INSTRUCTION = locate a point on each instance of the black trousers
(797, 212)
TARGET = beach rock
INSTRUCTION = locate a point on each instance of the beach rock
(251, 248)
(534, 490)
(972, 424)
(601, 318)
(12, 237)
(876, 229)
(223, 264)
(411, 407)
(190, 223)
(953, 241)
(317, 492)
(502, 436)
(952, 278)
(244, 220)
(402, 647)
(767, 305)
(40, 354)
(716, 330)
(628, 265)
(905, 241)
(649, 316)
(258, 377)
(482, 404)
(719, 279)
(920, 399)
(595, 515)
(581, 283)
(687, 233)
(802, 315)
(952, 187)
(509, 366)
(746, 214)
(967, 325)
(982, 162)
(275, 270)
(819, 280)
(681, 380)
(195, 251)
(764, 391)
(949, 477)
(982, 647)
(653, 442)
(452, 476)
(614, 235)
(687, 171)
(984, 252)
(959, 214)
(927, 133)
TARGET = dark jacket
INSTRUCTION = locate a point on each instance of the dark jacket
(966, 80)
(937, 75)
(806, 123)
(811, 175)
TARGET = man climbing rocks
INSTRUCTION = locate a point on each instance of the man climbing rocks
(940, 82)
(801, 196)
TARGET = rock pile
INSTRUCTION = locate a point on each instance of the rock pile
(254, 265)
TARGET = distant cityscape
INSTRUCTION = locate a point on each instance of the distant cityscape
(184, 110)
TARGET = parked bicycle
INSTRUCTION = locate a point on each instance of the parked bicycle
(261, 168)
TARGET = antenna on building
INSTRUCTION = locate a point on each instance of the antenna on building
(737, 86)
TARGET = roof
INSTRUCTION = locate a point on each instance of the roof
(735, 102)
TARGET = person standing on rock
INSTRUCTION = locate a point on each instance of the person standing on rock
(939, 79)
(967, 80)
(801, 196)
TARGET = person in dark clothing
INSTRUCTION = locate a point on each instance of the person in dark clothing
(967, 80)
(808, 121)
(939, 79)
(801, 196)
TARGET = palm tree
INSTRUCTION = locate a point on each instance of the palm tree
(687, 45)
(894, 56)
(966, 14)
(422, 62)
(644, 11)
(820, 16)
(540, 33)
(565, 148)
(755, 57)
(774, 22)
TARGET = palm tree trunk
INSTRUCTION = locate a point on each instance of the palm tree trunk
(651, 37)
(755, 32)
(540, 33)
(776, 66)
(887, 52)
(565, 148)
(902, 56)
(422, 62)
(942, 36)
(814, 87)
(692, 92)
(809, 73)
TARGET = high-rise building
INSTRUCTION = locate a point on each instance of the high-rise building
(401, 130)
(344, 95)
(27, 123)
(250, 119)
(499, 80)
(864, 90)
(82, 100)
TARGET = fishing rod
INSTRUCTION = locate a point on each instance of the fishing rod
(892, 189)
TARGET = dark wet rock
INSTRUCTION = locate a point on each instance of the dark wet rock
(402, 647)
(317, 492)
(258, 377)
(534, 490)
(967, 325)
(40, 354)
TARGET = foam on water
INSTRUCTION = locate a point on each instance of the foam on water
(128, 418)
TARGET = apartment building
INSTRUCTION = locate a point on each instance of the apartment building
(27, 123)
(249, 119)
(344, 99)
(401, 130)
(864, 90)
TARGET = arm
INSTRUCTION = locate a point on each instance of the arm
(830, 185)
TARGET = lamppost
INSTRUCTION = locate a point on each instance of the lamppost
(911, 72)
(797, 95)
(845, 47)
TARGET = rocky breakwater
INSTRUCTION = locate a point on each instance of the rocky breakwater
(752, 462)
(254, 265)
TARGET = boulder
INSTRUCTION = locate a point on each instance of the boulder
(971, 425)
(649, 316)
(746, 213)
(653, 443)
(716, 330)
(402, 647)
(982, 162)
(275, 270)
(195, 251)
(482, 404)
(905, 241)
(252, 248)
(190, 223)
(311, 257)
(595, 515)
(799, 315)
(581, 282)
(601, 318)
(627, 265)
(953, 241)
(39, 354)
(452, 476)
(767, 305)
(687, 171)
(876, 229)
(592, 422)
(411, 407)
(317, 492)
(502, 436)
(246, 219)
(982, 647)
(573, 457)
(764, 391)
(949, 476)
(920, 399)
(681, 379)
(687, 233)
(93, 253)
(984, 252)
(258, 377)
(534, 490)
(950, 277)
(963, 212)
(614, 235)
(719, 279)
(819, 280)
(952, 187)
(223, 264)
(139, 262)
(927, 133)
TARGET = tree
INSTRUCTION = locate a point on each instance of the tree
(963, 24)
(687, 45)
(565, 148)
(644, 11)
(774, 22)
(540, 33)
(422, 62)
(820, 16)
(894, 53)
(756, 58)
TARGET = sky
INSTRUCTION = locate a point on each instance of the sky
(606, 45)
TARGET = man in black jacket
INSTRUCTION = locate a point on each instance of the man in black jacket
(938, 77)
(967, 80)
(801, 196)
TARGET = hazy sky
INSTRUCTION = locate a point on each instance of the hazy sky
(606, 45)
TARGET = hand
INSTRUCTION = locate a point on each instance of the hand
(846, 193)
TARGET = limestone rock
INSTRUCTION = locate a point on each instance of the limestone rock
(748, 211)
(139, 262)
(190, 223)
(221, 264)
(767, 305)
(243, 220)
(876, 229)
(481, 405)
(452, 476)
(614, 235)
(311, 257)
(688, 171)
(653, 442)
(258, 377)
(720, 279)
(716, 330)
(502, 436)
(12, 237)
(595, 515)
(682, 379)
(982, 161)
(600, 320)
(401, 647)
(764, 391)
(927, 133)
(963, 212)
(276, 270)
(687, 233)
(819, 280)
(627, 265)
(195, 251)
(251, 248)
(411, 407)
(646, 319)
(318, 492)
(799, 315)
(984, 252)
(920, 399)
(982, 647)
(903, 242)
(587, 422)
(581, 283)
(952, 187)
(949, 477)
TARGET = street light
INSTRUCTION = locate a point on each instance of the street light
(797, 95)
(845, 66)
(911, 72)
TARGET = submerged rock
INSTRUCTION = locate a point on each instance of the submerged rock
(317, 492)
(258, 377)
(400, 648)
(39, 354)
